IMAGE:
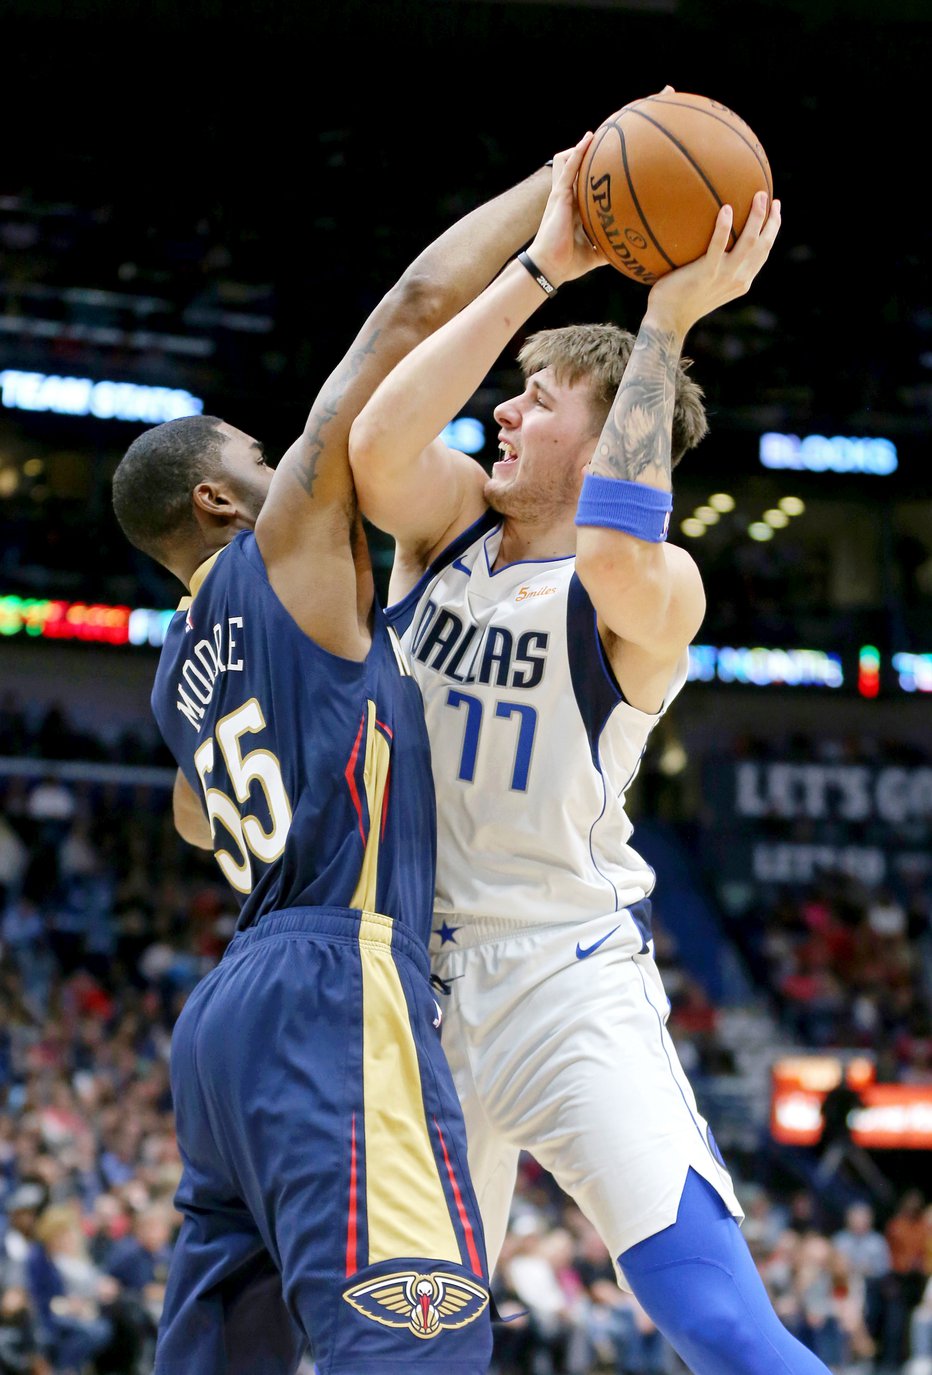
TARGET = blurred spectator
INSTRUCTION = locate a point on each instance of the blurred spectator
(67, 1292)
(920, 1337)
(839, 1153)
(617, 1330)
(530, 1275)
(19, 1347)
(820, 1311)
(886, 916)
(50, 806)
(140, 1260)
(13, 858)
(909, 1235)
(23, 1209)
(868, 1256)
(764, 1221)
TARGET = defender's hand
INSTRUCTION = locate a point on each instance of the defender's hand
(560, 247)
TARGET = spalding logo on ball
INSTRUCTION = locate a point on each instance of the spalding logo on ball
(656, 174)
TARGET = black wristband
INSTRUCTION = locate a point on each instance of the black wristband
(540, 279)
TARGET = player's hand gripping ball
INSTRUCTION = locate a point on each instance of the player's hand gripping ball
(656, 174)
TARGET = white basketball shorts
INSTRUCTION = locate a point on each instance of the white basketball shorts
(559, 1047)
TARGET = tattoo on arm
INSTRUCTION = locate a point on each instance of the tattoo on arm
(304, 470)
(636, 440)
(327, 408)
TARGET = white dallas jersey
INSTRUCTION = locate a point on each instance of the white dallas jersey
(532, 743)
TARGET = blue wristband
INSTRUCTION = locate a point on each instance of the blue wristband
(628, 506)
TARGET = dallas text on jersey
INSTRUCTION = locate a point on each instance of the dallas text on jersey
(442, 642)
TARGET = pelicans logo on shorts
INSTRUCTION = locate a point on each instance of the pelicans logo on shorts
(425, 1304)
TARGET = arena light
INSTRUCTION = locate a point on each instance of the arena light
(891, 1116)
(869, 671)
(722, 501)
(913, 671)
(89, 622)
(817, 453)
(106, 400)
(760, 666)
(793, 506)
(776, 518)
(692, 527)
(41, 618)
(707, 514)
(466, 434)
(760, 530)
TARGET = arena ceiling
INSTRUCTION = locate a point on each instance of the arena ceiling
(307, 151)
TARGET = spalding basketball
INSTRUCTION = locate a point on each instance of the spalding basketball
(656, 174)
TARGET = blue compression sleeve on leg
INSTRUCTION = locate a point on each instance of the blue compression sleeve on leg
(698, 1283)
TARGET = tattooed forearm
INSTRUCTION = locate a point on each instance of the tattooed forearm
(334, 410)
(304, 469)
(636, 440)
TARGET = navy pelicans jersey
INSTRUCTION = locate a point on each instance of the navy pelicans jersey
(533, 745)
(314, 769)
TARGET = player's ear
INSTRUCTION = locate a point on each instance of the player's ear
(213, 499)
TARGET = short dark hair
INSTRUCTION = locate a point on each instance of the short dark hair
(598, 355)
(154, 480)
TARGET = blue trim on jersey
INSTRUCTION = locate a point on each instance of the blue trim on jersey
(597, 694)
(399, 615)
(517, 563)
(640, 914)
(594, 686)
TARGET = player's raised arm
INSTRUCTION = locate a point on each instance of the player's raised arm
(311, 504)
(647, 593)
(409, 485)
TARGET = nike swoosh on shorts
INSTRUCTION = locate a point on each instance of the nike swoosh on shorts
(581, 953)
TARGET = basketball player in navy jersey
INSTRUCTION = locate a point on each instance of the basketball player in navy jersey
(325, 1196)
(548, 623)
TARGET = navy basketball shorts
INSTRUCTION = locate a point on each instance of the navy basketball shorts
(324, 1196)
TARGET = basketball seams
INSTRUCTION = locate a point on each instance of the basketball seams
(735, 125)
(616, 124)
(648, 190)
(685, 153)
(584, 176)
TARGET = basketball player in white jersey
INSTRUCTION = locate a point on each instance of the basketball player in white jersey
(548, 623)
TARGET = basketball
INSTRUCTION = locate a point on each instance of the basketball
(656, 174)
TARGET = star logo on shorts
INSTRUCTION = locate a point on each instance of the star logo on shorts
(446, 933)
(425, 1304)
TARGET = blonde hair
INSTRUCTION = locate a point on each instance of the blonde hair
(598, 356)
(57, 1220)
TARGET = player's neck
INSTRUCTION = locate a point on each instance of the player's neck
(524, 541)
(191, 559)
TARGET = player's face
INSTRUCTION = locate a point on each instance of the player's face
(546, 438)
(247, 471)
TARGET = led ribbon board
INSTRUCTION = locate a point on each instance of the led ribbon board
(817, 453)
(39, 391)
